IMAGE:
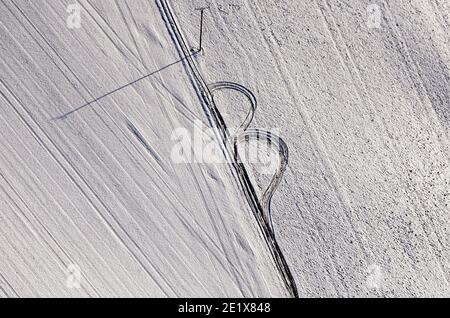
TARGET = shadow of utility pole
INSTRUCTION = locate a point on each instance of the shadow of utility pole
(64, 116)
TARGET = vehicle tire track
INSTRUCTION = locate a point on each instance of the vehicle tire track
(207, 99)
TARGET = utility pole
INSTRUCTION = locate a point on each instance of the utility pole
(200, 47)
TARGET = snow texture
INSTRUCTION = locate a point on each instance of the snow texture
(92, 203)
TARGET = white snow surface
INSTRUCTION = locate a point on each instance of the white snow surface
(80, 191)
(86, 176)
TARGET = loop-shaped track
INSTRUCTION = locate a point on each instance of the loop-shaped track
(283, 152)
(260, 206)
(213, 88)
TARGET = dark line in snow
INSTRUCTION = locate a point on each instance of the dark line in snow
(64, 116)
(258, 206)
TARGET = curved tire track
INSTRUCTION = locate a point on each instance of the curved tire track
(213, 88)
(260, 206)
(283, 152)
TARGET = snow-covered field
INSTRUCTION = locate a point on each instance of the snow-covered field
(92, 202)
